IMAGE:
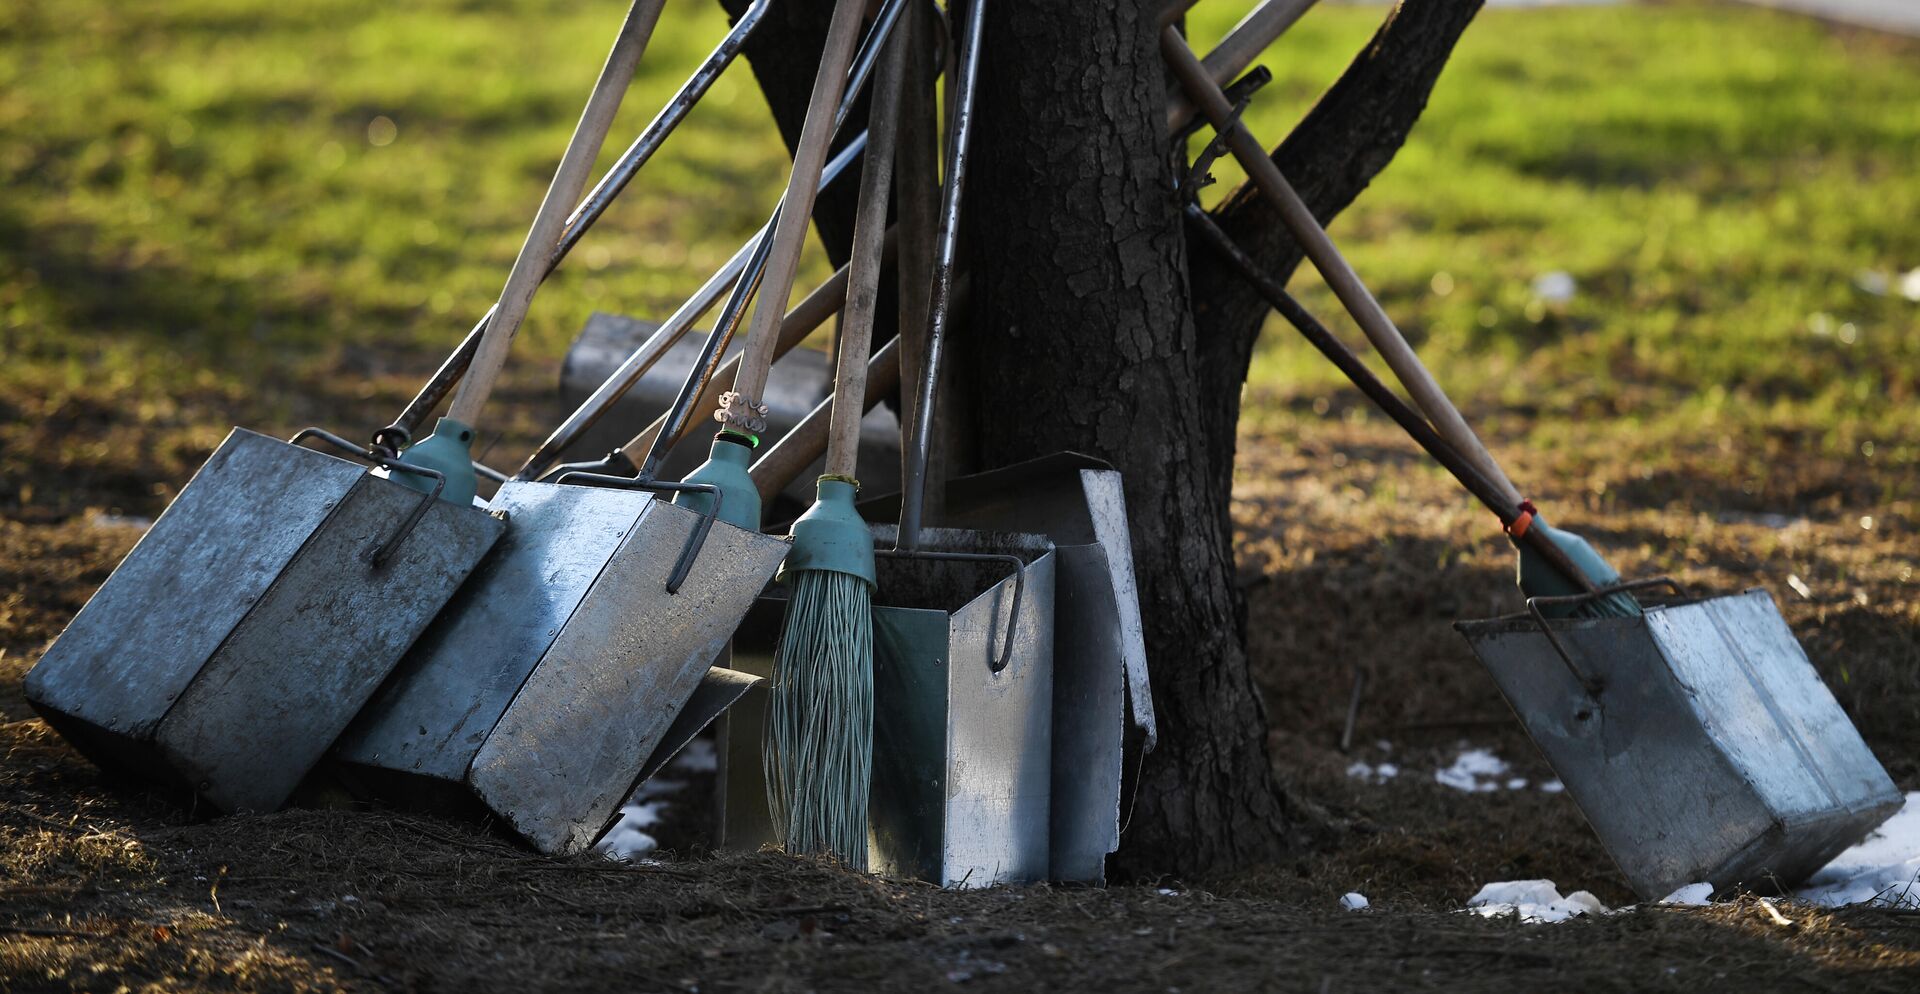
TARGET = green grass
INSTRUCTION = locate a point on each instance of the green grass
(195, 209)
(1714, 178)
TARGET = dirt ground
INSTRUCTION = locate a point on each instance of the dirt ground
(106, 888)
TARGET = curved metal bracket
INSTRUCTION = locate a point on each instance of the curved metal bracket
(688, 552)
(1592, 685)
(1005, 656)
(381, 553)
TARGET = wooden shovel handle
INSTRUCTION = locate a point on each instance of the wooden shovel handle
(1259, 29)
(1384, 398)
(797, 449)
(1359, 301)
(569, 180)
(869, 242)
(796, 213)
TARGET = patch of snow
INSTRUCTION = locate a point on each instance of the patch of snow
(698, 757)
(1475, 771)
(1693, 895)
(1533, 901)
(1362, 770)
(102, 519)
(1552, 787)
(627, 839)
(1354, 901)
(1884, 869)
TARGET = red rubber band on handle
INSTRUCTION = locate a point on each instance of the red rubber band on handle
(1524, 521)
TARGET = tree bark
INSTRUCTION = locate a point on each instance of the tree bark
(1092, 329)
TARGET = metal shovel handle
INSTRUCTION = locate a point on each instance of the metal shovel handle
(690, 550)
(1593, 685)
(379, 554)
(913, 497)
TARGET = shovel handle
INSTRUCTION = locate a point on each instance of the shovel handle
(869, 247)
(529, 267)
(913, 494)
(1346, 284)
(799, 448)
(743, 407)
(597, 201)
(1260, 28)
(808, 316)
(1383, 396)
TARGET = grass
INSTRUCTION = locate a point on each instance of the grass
(1714, 180)
(207, 196)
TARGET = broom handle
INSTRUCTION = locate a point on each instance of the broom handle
(1238, 49)
(1346, 284)
(869, 237)
(568, 182)
(743, 408)
(1384, 398)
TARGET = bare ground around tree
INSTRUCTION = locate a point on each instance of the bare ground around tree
(1356, 567)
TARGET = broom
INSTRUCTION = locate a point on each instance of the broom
(819, 744)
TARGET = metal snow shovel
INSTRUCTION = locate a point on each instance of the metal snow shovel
(578, 591)
(269, 601)
(1697, 737)
(543, 690)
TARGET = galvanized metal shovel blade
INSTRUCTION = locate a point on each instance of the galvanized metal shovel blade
(570, 745)
(963, 758)
(246, 628)
(421, 732)
(963, 755)
(1711, 752)
(1103, 721)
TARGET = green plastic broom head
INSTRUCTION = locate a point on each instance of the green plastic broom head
(832, 535)
(1539, 579)
(449, 450)
(726, 468)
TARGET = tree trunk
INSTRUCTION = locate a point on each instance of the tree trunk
(1091, 328)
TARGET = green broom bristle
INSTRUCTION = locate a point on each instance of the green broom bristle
(819, 745)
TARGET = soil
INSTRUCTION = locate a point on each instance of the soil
(1355, 559)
